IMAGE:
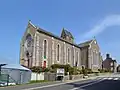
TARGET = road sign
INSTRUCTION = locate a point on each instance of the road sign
(60, 72)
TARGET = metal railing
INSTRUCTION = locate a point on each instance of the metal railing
(5, 79)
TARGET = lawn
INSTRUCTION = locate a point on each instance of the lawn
(38, 81)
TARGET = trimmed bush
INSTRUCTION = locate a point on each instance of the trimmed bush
(38, 69)
(37, 81)
(67, 68)
(103, 70)
(89, 71)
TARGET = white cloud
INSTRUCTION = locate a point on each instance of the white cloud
(99, 28)
(111, 20)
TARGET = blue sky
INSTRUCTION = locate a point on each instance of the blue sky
(83, 18)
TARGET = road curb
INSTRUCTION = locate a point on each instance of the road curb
(69, 81)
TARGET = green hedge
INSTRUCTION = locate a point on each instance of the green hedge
(67, 68)
(38, 69)
(72, 70)
(38, 81)
(103, 70)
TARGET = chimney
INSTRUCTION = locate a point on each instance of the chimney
(107, 55)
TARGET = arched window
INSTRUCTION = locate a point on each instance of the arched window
(45, 49)
(94, 58)
(77, 57)
(52, 52)
(68, 55)
(58, 52)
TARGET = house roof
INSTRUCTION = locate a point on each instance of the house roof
(15, 66)
(84, 44)
(114, 60)
(110, 60)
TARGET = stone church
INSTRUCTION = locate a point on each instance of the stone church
(39, 47)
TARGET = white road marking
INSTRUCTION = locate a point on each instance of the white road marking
(86, 85)
(115, 78)
(74, 89)
(104, 78)
(44, 86)
(48, 85)
(69, 82)
(110, 78)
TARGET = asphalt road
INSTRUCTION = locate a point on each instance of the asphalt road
(109, 83)
(101, 83)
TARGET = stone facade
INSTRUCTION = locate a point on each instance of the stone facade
(110, 64)
(41, 48)
(118, 68)
(90, 55)
(68, 53)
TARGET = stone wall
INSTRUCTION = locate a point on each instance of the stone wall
(66, 78)
(50, 76)
(37, 76)
(75, 77)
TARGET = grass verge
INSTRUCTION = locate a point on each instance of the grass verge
(38, 81)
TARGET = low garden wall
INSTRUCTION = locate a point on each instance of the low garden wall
(37, 76)
(43, 76)
(91, 75)
(52, 76)
(75, 77)
(66, 77)
(49, 76)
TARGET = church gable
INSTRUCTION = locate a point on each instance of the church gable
(30, 31)
(27, 43)
(94, 45)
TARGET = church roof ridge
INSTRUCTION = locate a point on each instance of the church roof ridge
(51, 34)
(86, 43)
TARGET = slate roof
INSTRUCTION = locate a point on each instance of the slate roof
(84, 44)
(15, 66)
(55, 36)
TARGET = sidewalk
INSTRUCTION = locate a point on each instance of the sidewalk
(81, 79)
(89, 78)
